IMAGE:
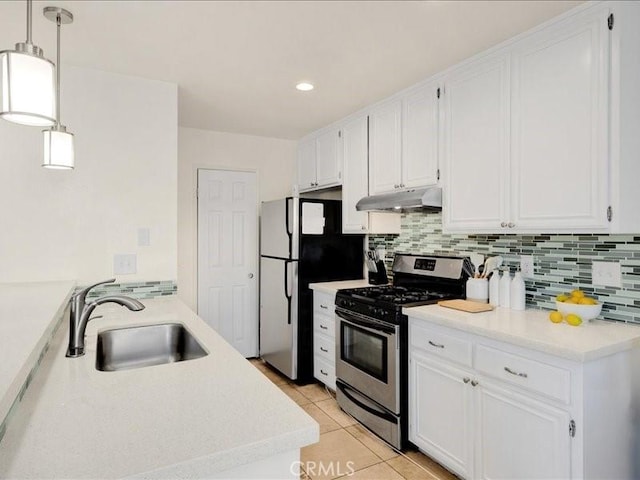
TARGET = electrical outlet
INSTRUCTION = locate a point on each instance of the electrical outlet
(124, 264)
(606, 274)
(526, 266)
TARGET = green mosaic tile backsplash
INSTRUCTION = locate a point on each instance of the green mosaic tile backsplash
(562, 262)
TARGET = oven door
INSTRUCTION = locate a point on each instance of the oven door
(368, 357)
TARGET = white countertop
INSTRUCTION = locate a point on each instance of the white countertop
(333, 287)
(28, 315)
(208, 414)
(532, 329)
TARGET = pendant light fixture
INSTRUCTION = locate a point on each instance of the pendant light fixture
(58, 143)
(27, 83)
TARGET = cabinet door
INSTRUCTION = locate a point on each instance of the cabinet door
(307, 165)
(440, 422)
(356, 179)
(476, 150)
(559, 126)
(519, 437)
(420, 137)
(385, 148)
(328, 164)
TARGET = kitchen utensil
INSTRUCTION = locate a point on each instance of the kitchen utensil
(466, 305)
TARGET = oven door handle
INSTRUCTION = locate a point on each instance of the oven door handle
(371, 326)
(378, 413)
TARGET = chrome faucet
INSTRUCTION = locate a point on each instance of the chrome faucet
(81, 312)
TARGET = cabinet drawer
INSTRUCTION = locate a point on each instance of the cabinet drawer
(324, 371)
(324, 303)
(539, 377)
(325, 347)
(324, 324)
(438, 343)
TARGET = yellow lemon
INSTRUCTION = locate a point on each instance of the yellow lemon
(577, 293)
(562, 297)
(555, 317)
(573, 320)
(571, 300)
(587, 301)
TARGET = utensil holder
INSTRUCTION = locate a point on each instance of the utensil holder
(478, 290)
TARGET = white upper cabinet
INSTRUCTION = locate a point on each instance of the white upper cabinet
(307, 164)
(320, 161)
(420, 137)
(385, 148)
(559, 126)
(476, 145)
(526, 133)
(355, 186)
(403, 142)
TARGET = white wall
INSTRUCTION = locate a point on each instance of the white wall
(69, 224)
(273, 160)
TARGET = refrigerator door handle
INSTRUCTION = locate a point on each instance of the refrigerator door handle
(286, 289)
(287, 220)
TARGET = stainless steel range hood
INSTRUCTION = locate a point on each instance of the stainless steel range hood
(428, 198)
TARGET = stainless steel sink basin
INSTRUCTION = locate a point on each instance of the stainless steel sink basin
(137, 347)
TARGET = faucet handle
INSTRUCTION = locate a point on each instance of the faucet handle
(83, 293)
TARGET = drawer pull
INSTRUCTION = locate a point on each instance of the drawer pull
(324, 350)
(466, 379)
(324, 373)
(508, 370)
(323, 306)
(437, 345)
(324, 327)
(474, 383)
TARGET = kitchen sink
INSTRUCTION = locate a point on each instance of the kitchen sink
(145, 346)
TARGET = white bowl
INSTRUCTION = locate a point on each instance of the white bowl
(585, 312)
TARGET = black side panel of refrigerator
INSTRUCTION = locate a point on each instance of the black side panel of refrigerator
(323, 258)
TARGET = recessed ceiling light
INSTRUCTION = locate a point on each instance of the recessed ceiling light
(304, 86)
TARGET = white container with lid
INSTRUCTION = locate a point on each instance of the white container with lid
(505, 288)
(494, 289)
(517, 292)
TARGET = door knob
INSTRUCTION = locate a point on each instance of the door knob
(250, 275)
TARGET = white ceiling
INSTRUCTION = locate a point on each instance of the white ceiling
(236, 63)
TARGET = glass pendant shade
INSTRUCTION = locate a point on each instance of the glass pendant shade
(58, 149)
(27, 89)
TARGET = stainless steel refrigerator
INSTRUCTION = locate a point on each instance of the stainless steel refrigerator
(301, 242)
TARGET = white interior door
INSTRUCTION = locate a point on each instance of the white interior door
(227, 256)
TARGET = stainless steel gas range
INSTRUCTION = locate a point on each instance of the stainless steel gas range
(372, 344)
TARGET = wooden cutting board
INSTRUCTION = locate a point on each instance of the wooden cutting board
(466, 305)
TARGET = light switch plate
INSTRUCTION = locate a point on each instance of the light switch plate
(144, 237)
(124, 264)
(606, 274)
(526, 266)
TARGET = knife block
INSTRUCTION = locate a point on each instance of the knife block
(380, 276)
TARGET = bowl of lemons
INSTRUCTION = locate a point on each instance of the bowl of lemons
(575, 307)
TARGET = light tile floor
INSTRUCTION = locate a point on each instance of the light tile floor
(346, 449)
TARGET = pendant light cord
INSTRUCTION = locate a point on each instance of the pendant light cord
(29, 7)
(58, 23)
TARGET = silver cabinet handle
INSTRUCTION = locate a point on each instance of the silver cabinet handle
(511, 225)
(323, 327)
(250, 275)
(437, 345)
(396, 186)
(324, 373)
(402, 185)
(324, 350)
(518, 374)
(466, 379)
(324, 306)
(363, 227)
(503, 224)
(474, 383)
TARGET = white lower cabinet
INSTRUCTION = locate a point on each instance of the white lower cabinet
(489, 409)
(324, 338)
